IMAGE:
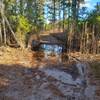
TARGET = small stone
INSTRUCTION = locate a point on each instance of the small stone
(37, 77)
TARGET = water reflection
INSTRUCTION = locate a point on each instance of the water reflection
(52, 50)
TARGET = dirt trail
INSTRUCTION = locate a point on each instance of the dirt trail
(25, 75)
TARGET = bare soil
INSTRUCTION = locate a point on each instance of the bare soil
(21, 77)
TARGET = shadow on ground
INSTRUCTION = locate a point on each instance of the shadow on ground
(49, 82)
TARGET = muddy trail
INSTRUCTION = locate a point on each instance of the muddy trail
(28, 75)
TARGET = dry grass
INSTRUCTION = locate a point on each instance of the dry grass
(15, 56)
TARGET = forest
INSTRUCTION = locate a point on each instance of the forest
(49, 50)
(18, 17)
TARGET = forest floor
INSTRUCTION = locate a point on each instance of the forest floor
(26, 75)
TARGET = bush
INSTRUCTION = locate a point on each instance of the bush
(23, 27)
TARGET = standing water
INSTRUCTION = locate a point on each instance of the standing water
(52, 50)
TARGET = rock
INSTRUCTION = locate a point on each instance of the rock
(37, 77)
(59, 75)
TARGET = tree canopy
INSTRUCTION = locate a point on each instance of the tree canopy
(18, 17)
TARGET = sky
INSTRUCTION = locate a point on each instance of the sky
(90, 4)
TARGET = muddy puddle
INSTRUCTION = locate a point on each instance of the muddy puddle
(51, 53)
(53, 79)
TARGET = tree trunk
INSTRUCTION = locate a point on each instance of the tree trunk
(1, 34)
(4, 30)
(13, 34)
(63, 16)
